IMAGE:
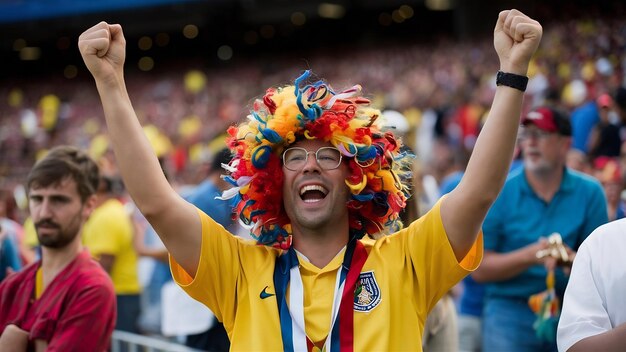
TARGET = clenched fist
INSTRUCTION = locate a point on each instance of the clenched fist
(516, 38)
(103, 50)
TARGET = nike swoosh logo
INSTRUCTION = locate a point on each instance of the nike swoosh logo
(264, 294)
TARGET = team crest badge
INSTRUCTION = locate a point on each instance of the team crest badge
(367, 292)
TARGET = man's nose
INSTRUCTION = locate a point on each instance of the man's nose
(45, 209)
(311, 164)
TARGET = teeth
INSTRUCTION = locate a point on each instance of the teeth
(313, 188)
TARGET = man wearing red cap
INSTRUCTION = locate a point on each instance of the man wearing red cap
(541, 198)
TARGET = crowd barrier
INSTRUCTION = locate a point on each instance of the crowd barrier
(129, 342)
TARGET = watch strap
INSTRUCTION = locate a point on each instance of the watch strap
(512, 80)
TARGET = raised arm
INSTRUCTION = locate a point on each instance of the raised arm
(103, 49)
(516, 38)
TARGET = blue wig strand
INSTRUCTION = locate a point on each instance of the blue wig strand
(315, 110)
(271, 135)
(363, 197)
(256, 213)
(258, 118)
(261, 155)
(300, 79)
(366, 153)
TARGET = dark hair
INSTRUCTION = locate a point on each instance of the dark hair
(222, 157)
(110, 185)
(65, 162)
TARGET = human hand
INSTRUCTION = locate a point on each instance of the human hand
(566, 265)
(516, 38)
(538, 252)
(13, 339)
(554, 252)
(9, 271)
(103, 49)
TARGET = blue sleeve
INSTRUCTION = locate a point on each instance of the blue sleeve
(9, 257)
(203, 198)
(492, 227)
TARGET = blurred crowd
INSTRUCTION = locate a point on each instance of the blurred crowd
(442, 92)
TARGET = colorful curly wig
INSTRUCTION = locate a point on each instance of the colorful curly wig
(380, 170)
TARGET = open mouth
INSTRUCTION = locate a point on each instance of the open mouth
(313, 193)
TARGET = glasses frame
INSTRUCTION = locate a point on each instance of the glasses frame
(307, 158)
(526, 133)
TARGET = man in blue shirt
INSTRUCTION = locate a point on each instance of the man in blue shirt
(540, 198)
(9, 257)
(203, 196)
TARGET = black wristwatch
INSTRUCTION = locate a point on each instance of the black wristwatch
(511, 80)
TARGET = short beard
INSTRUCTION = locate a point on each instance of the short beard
(57, 242)
(64, 237)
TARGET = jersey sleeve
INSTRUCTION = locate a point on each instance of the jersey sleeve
(225, 262)
(432, 259)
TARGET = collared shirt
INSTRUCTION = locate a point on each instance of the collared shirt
(594, 300)
(403, 277)
(519, 218)
(76, 312)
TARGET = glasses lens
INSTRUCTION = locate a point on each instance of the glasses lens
(294, 158)
(328, 158)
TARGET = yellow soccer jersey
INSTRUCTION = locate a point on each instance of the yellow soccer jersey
(404, 276)
(30, 234)
(109, 230)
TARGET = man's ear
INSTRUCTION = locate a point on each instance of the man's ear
(89, 205)
(567, 143)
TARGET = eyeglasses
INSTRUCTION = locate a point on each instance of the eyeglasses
(328, 158)
(525, 133)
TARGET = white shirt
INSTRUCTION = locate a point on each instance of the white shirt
(595, 298)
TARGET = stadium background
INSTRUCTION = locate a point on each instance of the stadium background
(257, 43)
(39, 37)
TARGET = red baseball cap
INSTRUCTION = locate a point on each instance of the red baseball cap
(549, 120)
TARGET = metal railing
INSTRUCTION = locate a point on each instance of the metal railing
(129, 342)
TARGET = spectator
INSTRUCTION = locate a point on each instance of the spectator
(204, 195)
(583, 118)
(65, 301)
(9, 256)
(108, 234)
(594, 315)
(620, 108)
(608, 172)
(13, 230)
(540, 198)
(604, 139)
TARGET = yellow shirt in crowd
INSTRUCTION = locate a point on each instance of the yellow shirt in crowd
(109, 230)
